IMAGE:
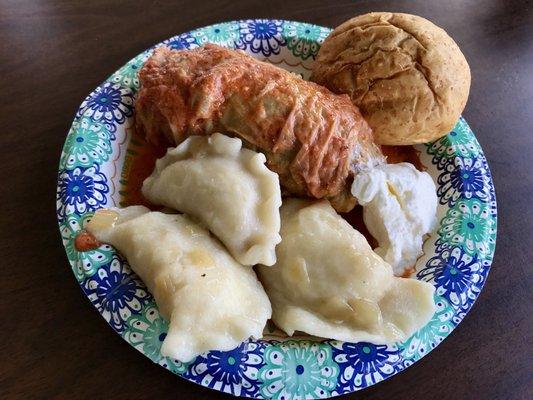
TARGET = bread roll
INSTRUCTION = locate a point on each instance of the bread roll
(407, 76)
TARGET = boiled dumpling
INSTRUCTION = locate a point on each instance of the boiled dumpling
(210, 301)
(328, 282)
(228, 188)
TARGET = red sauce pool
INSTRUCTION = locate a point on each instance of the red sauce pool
(138, 165)
(408, 272)
(85, 241)
(398, 154)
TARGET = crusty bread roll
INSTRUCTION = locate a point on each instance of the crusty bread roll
(407, 76)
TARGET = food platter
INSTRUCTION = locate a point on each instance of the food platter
(98, 169)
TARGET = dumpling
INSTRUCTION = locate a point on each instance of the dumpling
(210, 301)
(228, 188)
(328, 282)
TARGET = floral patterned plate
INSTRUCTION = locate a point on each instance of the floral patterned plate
(96, 168)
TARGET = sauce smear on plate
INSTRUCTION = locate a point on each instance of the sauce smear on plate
(138, 165)
(398, 154)
(85, 241)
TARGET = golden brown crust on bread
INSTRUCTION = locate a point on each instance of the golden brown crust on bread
(407, 76)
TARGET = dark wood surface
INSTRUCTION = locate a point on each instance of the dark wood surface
(54, 345)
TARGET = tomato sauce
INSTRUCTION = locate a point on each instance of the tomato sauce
(139, 163)
(398, 154)
(408, 272)
(85, 241)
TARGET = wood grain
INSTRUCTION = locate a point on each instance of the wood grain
(54, 345)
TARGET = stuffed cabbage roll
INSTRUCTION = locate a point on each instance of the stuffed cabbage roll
(315, 140)
(210, 301)
(228, 188)
(328, 282)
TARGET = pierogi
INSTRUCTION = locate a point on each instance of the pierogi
(211, 301)
(228, 188)
(328, 282)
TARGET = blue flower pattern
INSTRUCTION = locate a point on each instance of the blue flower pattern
(235, 371)
(364, 364)
(110, 103)
(261, 36)
(81, 190)
(463, 178)
(457, 276)
(180, 42)
(119, 295)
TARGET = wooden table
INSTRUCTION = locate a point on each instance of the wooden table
(52, 54)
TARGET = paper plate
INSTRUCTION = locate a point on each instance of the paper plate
(95, 171)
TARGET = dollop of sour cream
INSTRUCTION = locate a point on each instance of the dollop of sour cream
(399, 208)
